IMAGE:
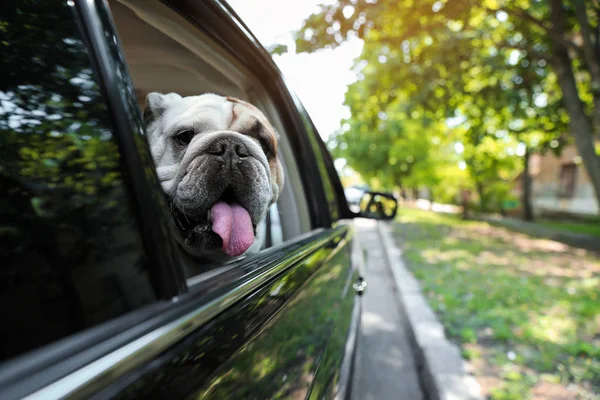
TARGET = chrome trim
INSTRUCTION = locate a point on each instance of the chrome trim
(100, 373)
(345, 379)
(203, 277)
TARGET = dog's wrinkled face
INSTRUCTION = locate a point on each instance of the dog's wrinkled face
(216, 158)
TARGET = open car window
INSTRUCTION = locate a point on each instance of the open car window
(166, 53)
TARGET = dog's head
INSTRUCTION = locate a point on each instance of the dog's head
(216, 158)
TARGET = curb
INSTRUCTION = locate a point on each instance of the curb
(441, 367)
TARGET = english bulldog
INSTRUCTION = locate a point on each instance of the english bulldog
(216, 159)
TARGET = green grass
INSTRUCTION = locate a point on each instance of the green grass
(525, 311)
(590, 228)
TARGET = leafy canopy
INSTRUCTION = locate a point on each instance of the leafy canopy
(435, 73)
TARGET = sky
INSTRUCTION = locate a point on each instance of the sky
(319, 79)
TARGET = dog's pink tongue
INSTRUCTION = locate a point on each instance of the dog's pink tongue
(234, 225)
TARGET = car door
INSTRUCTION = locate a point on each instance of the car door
(275, 325)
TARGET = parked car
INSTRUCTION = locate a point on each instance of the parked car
(98, 300)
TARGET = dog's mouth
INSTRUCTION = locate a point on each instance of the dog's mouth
(227, 219)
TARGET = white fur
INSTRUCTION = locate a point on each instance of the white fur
(210, 115)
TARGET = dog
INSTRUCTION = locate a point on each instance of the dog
(217, 161)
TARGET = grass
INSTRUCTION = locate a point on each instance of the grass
(525, 311)
(590, 228)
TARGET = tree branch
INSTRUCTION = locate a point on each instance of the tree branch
(504, 44)
(591, 56)
(550, 31)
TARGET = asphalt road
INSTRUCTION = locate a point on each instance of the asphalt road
(385, 368)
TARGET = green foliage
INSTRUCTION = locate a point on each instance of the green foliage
(60, 163)
(277, 48)
(527, 316)
(432, 73)
(53, 120)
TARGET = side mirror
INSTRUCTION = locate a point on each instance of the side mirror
(378, 205)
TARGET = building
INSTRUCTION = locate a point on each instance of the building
(560, 185)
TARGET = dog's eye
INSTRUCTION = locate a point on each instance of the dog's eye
(266, 147)
(184, 138)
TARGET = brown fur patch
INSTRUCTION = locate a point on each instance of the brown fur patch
(245, 117)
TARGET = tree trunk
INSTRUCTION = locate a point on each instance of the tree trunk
(430, 199)
(464, 201)
(502, 209)
(482, 199)
(592, 57)
(526, 192)
(580, 124)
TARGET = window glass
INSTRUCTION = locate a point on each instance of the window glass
(71, 253)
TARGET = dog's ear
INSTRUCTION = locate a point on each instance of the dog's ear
(156, 104)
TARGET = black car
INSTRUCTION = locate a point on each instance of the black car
(98, 300)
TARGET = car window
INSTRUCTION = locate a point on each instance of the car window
(189, 171)
(71, 251)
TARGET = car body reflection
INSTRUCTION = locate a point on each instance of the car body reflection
(248, 353)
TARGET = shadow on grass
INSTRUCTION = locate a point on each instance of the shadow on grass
(525, 310)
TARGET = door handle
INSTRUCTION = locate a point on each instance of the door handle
(360, 286)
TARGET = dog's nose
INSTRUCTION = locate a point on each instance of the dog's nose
(241, 150)
(227, 148)
(217, 148)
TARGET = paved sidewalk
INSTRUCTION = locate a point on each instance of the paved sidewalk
(579, 240)
(442, 371)
(403, 352)
(386, 367)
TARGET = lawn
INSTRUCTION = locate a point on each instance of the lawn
(525, 311)
(591, 228)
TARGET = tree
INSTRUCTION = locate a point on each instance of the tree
(59, 162)
(385, 145)
(522, 55)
